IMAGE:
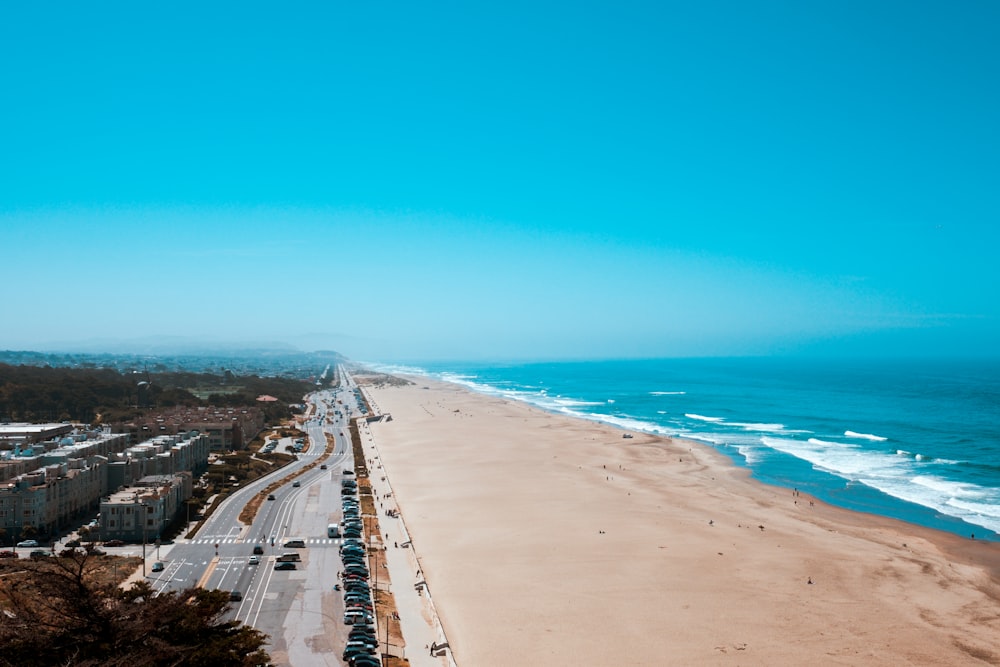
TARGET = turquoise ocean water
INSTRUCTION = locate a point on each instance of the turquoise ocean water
(918, 441)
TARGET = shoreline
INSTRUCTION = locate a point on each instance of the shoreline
(545, 536)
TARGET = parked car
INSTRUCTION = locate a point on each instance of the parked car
(351, 550)
(8, 554)
(72, 544)
(357, 587)
(114, 543)
(362, 634)
(27, 543)
(158, 566)
(284, 565)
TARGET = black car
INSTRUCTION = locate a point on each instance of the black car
(357, 595)
(285, 565)
(258, 549)
(357, 587)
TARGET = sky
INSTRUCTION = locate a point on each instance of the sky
(405, 181)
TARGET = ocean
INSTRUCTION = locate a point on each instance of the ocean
(917, 441)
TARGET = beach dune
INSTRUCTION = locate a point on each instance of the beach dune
(547, 539)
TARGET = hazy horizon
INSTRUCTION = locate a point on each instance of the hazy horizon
(526, 181)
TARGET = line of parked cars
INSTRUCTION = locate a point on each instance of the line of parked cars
(362, 644)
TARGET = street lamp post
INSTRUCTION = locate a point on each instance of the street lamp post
(143, 505)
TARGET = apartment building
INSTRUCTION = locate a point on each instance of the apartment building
(59, 483)
(140, 513)
(227, 428)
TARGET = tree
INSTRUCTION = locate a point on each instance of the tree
(67, 611)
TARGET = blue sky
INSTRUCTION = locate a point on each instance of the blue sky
(518, 181)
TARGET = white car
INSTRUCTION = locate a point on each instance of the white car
(254, 560)
(28, 543)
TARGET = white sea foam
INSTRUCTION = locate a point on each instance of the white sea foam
(764, 428)
(950, 488)
(822, 443)
(392, 369)
(667, 393)
(894, 475)
(570, 402)
(864, 436)
(705, 419)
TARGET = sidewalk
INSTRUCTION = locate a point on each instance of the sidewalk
(418, 620)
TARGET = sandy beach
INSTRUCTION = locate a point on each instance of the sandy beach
(551, 540)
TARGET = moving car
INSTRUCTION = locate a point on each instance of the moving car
(157, 566)
(295, 544)
(254, 560)
(258, 549)
(270, 496)
(235, 596)
(296, 484)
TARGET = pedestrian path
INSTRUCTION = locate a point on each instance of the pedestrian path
(426, 644)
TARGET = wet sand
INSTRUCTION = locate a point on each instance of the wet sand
(552, 540)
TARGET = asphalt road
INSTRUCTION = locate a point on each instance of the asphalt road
(298, 609)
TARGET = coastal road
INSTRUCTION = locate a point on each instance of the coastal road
(298, 609)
